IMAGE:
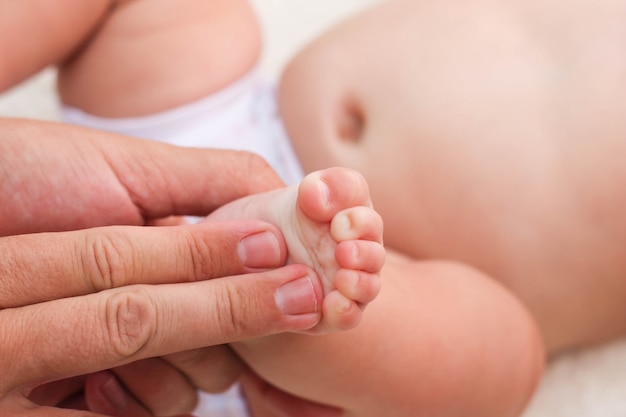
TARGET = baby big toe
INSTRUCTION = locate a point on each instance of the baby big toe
(324, 193)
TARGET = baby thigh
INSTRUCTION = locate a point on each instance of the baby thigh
(441, 340)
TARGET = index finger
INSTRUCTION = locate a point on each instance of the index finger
(47, 266)
(165, 180)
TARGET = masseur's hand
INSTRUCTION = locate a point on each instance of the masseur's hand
(265, 400)
(57, 177)
(73, 303)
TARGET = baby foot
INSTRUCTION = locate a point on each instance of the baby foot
(329, 224)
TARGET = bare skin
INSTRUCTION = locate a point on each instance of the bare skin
(522, 197)
(450, 336)
(63, 288)
(502, 130)
(500, 126)
(279, 360)
(329, 224)
(48, 33)
(196, 35)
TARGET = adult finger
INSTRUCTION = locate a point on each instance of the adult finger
(54, 393)
(14, 404)
(92, 178)
(47, 266)
(163, 180)
(159, 386)
(164, 386)
(80, 335)
(265, 400)
(145, 388)
(105, 394)
(211, 369)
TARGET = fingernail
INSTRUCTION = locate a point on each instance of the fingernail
(114, 393)
(297, 297)
(260, 250)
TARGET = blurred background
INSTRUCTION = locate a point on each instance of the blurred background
(590, 383)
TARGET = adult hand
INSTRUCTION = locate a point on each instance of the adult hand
(265, 400)
(68, 306)
(55, 177)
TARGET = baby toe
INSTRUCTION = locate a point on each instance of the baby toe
(340, 313)
(322, 194)
(357, 223)
(359, 286)
(363, 255)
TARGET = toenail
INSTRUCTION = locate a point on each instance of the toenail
(324, 192)
(356, 252)
(341, 227)
(344, 307)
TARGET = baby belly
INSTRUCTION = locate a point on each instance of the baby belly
(522, 213)
(469, 157)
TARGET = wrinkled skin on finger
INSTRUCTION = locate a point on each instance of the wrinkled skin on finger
(90, 178)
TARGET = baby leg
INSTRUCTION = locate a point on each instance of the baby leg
(441, 339)
(329, 225)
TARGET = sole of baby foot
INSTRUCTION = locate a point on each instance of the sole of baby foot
(338, 200)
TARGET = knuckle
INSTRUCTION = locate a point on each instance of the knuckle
(130, 322)
(200, 255)
(233, 316)
(103, 262)
(255, 162)
(262, 174)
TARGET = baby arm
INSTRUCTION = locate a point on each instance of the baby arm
(440, 339)
(46, 33)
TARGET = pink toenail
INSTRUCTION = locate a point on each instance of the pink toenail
(344, 307)
(324, 192)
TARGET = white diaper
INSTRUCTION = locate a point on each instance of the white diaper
(227, 404)
(242, 116)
